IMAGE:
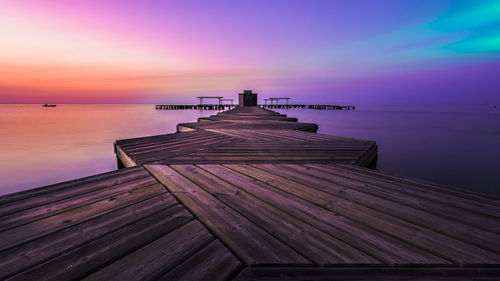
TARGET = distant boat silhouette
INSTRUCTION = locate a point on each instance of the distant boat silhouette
(49, 105)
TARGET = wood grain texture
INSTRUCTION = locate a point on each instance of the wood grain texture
(240, 145)
(25, 256)
(120, 225)
(429, 236)
(251, 243)
(124, 158)
(159, 256)
(108, 248)
(313, 243)
(212, 263)
(376, 274)
(392, 251)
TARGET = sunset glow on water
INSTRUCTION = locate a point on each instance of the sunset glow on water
(42, 146)
(452, 145)
(140, 53)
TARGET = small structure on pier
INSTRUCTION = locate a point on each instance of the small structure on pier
(209, 97)
(275, 99)
(223, 100)
(247, 98)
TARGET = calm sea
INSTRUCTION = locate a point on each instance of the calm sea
(454, 145)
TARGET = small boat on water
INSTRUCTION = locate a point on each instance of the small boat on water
(49, 105)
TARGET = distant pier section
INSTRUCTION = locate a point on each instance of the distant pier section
(248, 97)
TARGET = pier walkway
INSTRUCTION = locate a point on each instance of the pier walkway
(248, 194)
(221, 106)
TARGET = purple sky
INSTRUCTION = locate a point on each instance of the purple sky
(313, 51)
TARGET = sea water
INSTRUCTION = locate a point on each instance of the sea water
(455, 145)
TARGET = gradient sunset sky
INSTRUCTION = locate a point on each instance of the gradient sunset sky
(119, 51)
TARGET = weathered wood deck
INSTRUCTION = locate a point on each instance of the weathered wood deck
(246, 135)
(248, 202)
(250, 118)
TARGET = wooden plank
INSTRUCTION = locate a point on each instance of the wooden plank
(240, 160)
(53, 208)
(24, 233)
(299, 156)
(291, 135)
(316, 245)
(264, 147)
(460, 194)
(188, 142)
(254, 125)
(158, 257)
(435, 242)
(242, 117)
(248, 241)
(258, 154)
(173, 137)
(147, 138)
(111, 178)
(124, 158)
(192, 143)
(401, 208)
(441, 204)
(188, 148)
(28, 255)
(215, 158)
(242, 134)
(184, 128)
(95, 255)
(375, 274)
(315, 136)
(173, 140)
(187, 145)
(368, 157)
(378, 244)
(214, 262)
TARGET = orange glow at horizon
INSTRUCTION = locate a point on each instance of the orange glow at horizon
(37, 57)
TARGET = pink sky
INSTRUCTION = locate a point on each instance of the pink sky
(171, 51)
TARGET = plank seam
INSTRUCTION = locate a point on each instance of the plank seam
(396, 215)
(87, 241)
(85, 220)
(199, 220)
(73, 195)
(411, 195)
(370, 227)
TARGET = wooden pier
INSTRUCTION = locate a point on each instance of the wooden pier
(269, 106)
(308, 106)
(248, 194)
(195, 106)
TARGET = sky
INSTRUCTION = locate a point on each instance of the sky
(353, 51)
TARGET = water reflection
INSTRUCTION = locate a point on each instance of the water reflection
(452, 145)
(40, 146)
(456, 145)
